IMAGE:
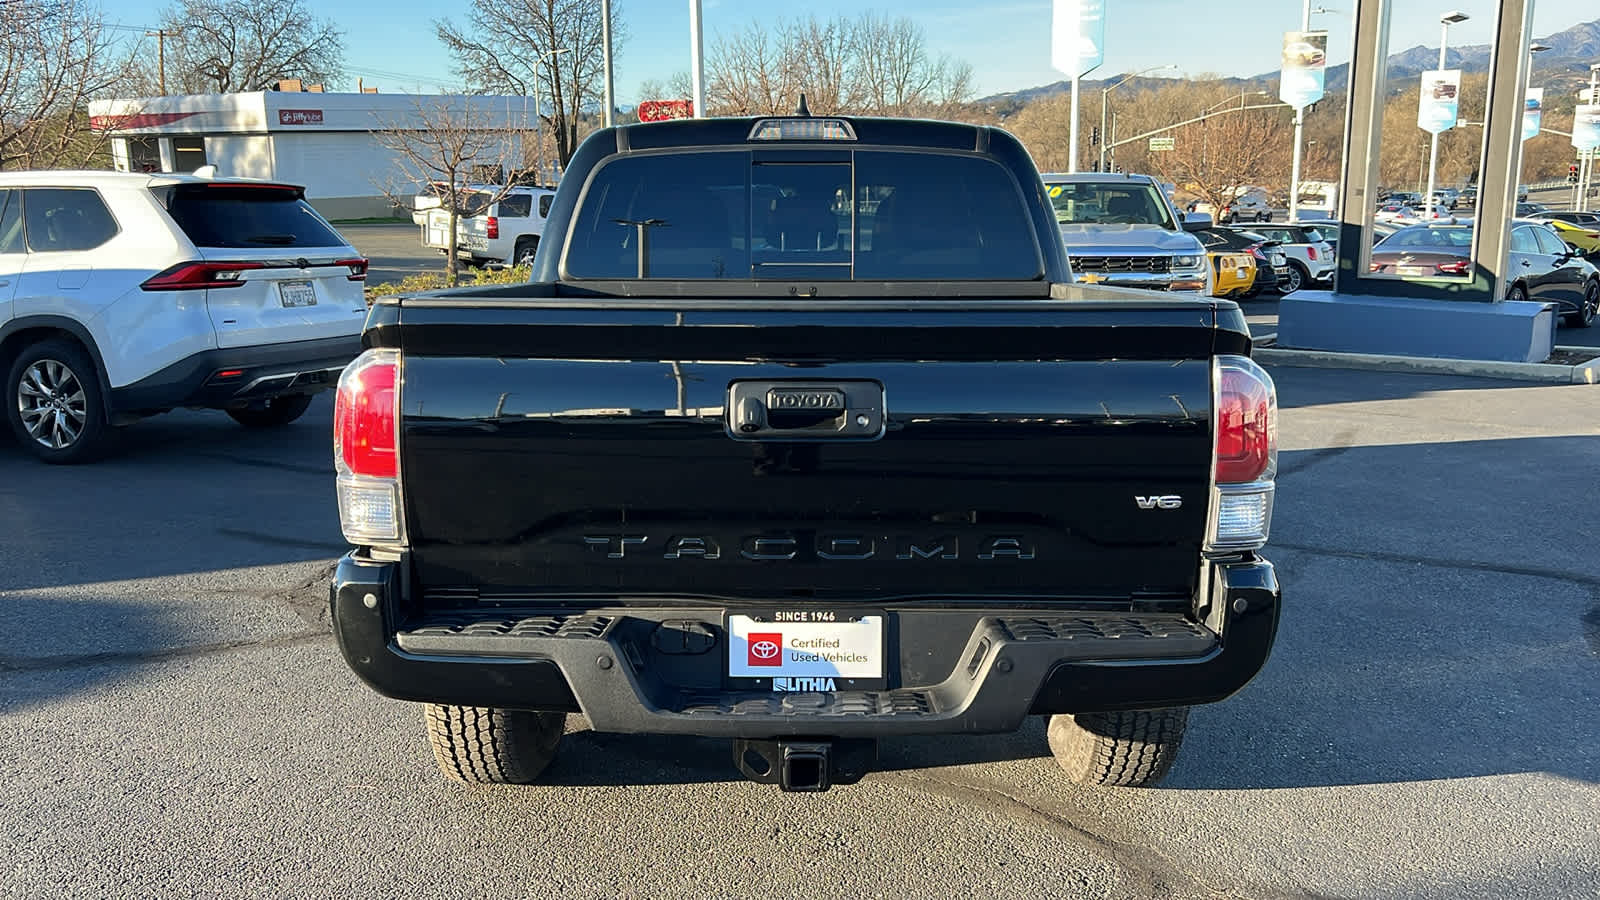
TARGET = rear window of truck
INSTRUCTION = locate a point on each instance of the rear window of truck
(874, 215)
(231, 215)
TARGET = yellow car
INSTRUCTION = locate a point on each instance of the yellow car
(1583, 235)
(1232, 273)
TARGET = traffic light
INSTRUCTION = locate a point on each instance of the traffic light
(1094, 136)
(1572, 174)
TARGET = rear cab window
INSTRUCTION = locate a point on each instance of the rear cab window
(787, 215)
(224, 214)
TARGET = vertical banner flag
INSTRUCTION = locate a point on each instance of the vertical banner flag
(1077, 35)
(1440, 101)
(1305, 63)
(1532, 112)
(1586, 127)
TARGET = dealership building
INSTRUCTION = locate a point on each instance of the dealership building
(330, 143)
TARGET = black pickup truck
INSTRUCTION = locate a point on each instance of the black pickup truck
(802, 436)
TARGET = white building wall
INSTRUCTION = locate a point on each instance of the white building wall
(241, 155)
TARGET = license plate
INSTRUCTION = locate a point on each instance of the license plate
(297, 293)
(1410, 271)
(807, 649)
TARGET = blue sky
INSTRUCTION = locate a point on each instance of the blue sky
(391, 43)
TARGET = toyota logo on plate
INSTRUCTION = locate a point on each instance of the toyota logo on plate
(765, 650)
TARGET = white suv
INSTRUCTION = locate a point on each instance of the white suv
(489, 231)
(124, 295)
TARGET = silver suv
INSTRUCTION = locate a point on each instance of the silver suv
(1121, 230)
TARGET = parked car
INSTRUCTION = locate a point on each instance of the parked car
(1580, 229)
(1466, 198)
(507, 231)
(1272, 265)
(123, 295)
(1233, 273)
(1541, 266)
(657, 487)
(1122, 230)
(1310, 257)
(1527, 210)
(1395, 212)
(1246, 209)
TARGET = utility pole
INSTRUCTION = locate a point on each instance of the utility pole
(161, 36)
(697, 65)
(605, 50)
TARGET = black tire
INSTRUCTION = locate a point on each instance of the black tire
(1298, 278)
(481, 745)
(72, 400)
(273, 413)
(1135, 748)
(1587, 307)
(522, 254)
(1517, 292)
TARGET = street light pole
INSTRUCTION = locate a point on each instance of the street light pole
(1299, 125)
(605, 51)
(1445, 21)
(1586, 165)
(1105, 94)
(697, 66)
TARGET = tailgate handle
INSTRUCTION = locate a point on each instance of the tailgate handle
(805, 410)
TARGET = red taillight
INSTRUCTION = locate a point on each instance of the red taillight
(1247, 433)
(364, 415)
(1311, 252)
(1459, 267)
(199, 276)
(491, 229)
(357, 267)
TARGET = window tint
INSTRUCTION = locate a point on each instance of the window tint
(66, 219)
(11, 223)
(1548, 242)
(544, 205)
(144, 154)
(516, 206)
(233, 215)
(475, 203)
(873, 215)
(1522, 241)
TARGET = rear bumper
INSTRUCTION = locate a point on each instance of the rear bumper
(266, 371)
(605, 663)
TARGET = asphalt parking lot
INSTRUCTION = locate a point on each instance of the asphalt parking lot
(176, 720)
(393, 252)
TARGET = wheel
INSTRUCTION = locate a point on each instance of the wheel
(1588, 306)
(1135, 748)
(55, 404)
(525, 249)
(272, 413)
(1517, 293)
(480, 745)
(1264, 217)
(1295, 280)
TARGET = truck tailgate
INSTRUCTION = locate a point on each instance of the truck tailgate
(956, 451)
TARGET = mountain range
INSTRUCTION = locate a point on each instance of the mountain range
(1564, 66)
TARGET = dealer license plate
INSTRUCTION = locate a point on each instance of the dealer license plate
(297, 293)
(1410, 271)
(808, 649)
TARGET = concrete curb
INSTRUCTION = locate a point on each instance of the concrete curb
(1582, 373)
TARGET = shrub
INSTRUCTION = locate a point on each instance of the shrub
(434, 281)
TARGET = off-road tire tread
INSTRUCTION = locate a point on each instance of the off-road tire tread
(484, 745)
(1133, 748)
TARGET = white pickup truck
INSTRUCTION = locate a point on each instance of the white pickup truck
(489, 231)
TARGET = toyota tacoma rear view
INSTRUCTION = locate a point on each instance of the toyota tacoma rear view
(803, 436)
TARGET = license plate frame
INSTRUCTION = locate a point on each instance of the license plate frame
(297, 294)
(859, 632)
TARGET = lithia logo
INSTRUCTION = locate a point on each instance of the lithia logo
(803, 684)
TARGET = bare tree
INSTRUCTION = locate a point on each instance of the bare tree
(868, 65)
(54, 57)
(244, 45)
(440, 146)
(551, 48)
